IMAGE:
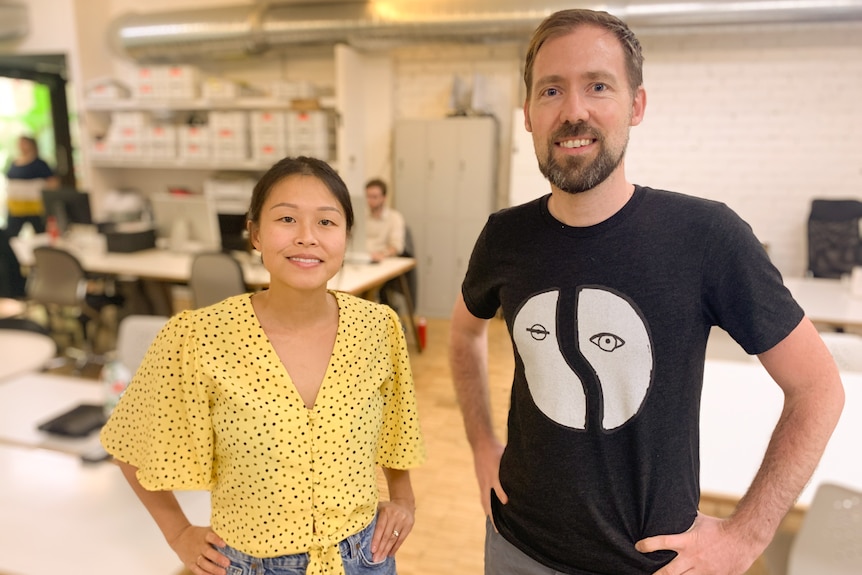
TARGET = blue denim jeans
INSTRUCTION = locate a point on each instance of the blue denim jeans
(355, 553)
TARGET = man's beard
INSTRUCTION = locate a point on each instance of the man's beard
(574, 175)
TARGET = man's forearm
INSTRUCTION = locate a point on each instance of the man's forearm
(468, 362)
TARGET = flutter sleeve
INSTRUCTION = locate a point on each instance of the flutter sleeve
(162, 424)
(400, 444)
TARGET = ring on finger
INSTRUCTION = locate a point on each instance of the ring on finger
(395, 533)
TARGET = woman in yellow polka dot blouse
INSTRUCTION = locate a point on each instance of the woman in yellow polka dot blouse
(281, 403)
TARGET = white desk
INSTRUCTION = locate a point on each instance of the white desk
(33, 398)
(827, 301)
(175, 267)
(22, 351)
(56, 510)
(60, 515)
(167, 266)
(739, 409)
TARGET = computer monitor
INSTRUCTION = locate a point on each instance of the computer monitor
(357, 248)
(68, 206)
(188, 223)
(233, 232)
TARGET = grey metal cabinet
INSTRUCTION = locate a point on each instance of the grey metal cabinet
(444, 185)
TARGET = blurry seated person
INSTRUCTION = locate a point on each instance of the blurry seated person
(384, 227)
(27, 176)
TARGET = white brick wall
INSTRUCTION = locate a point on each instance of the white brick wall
(425, 76)
(764, 119)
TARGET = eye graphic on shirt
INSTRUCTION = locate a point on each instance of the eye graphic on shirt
(625, 374)
(611, 336)
(607, 341)
(555, 387)
(538, 332)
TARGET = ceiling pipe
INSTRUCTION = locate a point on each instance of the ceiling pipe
(14, 23)
(264, 26)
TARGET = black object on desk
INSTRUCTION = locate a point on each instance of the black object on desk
(79, 421)
(126, 237)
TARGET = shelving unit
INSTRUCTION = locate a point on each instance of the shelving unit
(153, 173)
(180, 164)
(198, 104)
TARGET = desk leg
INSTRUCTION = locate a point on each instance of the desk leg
(411, 314)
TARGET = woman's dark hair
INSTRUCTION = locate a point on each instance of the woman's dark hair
(300, 166)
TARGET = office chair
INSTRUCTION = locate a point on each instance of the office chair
(58, 283)
(134, 336)
(834, 242)
(214, 277)
(830, 539)
(405, 288)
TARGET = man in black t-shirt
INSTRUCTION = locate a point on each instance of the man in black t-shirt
(609, 291)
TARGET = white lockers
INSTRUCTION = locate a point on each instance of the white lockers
(444, 180)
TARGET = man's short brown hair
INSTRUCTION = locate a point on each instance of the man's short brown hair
(564, 21)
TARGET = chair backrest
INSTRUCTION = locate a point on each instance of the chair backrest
(56, 278)
(134, 336)
(846, 348)
(214, 277)
(410, 252)
(834, 243)
(830, 539)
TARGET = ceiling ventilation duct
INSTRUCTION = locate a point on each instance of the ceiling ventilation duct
(257, 28)
(13, 21)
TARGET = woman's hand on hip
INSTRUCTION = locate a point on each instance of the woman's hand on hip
(394, 523)
(197, 547)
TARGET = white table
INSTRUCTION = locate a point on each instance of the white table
(739, 409)
(33, 398)
(169, 267)
(59, 515)
(827, 301)
(175, 267)
(23, 351)
(57, 511)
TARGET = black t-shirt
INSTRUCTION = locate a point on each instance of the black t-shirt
(35, 169)
(609, 325)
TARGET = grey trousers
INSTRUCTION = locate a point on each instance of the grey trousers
(503, 558)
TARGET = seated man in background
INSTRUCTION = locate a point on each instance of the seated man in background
(384, 227)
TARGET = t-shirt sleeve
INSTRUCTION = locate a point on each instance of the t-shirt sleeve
(745, 293)
(43, 170)
(400, 444)
(480, 288)
(162, 423)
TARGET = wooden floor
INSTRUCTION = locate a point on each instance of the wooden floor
(449, 535)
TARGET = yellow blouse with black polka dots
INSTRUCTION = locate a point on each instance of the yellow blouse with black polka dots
(212, 407)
